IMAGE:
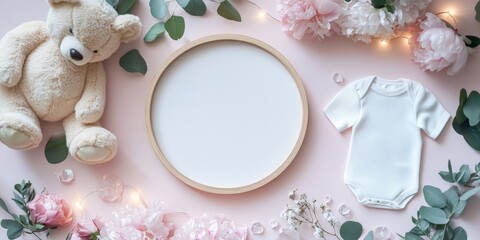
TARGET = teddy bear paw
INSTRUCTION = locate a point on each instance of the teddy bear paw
(16, 139)
(9, 77)
(93, 145)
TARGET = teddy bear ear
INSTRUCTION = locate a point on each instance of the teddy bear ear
(128, 26)
(54, 2)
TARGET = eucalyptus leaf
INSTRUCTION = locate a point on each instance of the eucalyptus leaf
(423, 225)
(23, 219)
(472, 108)
(56, 150)
(183, 3)
(439, 235)
(460, 128)
(133, 62)
(477, 11)
(228, 11)
(472, 41)
(470, 193)
(3, 205)
(459, 234)
(417, 231)
(412, 236)
(158, 8)
(124, 6)
(472, 137)
(446, 176)
(175, 27)
(459, 115)
(14, 228)
(155, 32)
(113, 3)
(451, 195)
(434, 197)
(434, 215)
(379, 3)
(19, 204)
(459, 209)
(465, 170)
(351, 230)
(369, 236)
(195, 7)
(477, 168)
(390, 8)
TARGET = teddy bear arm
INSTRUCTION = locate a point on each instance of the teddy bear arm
(89, 108)
(15, 46)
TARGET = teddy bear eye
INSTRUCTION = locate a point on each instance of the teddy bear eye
(95, 51)
(71, 31)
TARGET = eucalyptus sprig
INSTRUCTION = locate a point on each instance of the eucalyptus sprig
(174, 25)
(435, 220)
(21, 223)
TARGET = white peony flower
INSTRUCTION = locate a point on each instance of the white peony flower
(362, 22)
(435, 46)
(408, 11)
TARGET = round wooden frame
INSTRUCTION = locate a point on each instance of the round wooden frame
(227, 37)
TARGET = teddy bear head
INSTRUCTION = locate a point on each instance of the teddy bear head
(89, 31)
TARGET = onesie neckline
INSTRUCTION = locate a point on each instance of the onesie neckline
(389, 87)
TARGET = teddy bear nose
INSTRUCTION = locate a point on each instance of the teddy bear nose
(76, 55)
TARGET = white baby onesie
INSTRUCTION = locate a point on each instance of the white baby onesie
(386, 116)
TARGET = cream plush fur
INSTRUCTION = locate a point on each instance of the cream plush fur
(53, 71)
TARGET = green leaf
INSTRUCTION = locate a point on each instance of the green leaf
(451, 195)
(19, 204)
(18, 188)
(477, 168)
(124, 6)
(132, 61)
(459, 209)
(434, 215)
(175, 27)
(472, 136)
(459, 116)
(158, 8)
(369, 236)
(465, 170)
(477, 11)
(14, 229)
(470, 193)
(446, 176)
(472, 108)
(472, 41)
(423, 225)
(31, 196)
(459, 234)
(113, 3)
(23, 219)
(379, 3)
(193, 7)
(228, 11)
(434, 197)
(56, 150)
(412, 236)
(155, 32)
(351, 230)
(439, 235)
(390, 8)
(4, 206)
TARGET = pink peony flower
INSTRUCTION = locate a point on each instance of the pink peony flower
(308, 16)
(86, 231)
(49, 210)
(435, 46)
(210, 228)
(137, 223)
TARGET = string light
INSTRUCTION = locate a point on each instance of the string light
(79, 206)
(262, 14)
(384, 43)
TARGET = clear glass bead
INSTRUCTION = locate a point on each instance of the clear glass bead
(110, 188)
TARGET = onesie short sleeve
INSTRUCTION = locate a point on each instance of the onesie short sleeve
(344, 109)
(430, 115)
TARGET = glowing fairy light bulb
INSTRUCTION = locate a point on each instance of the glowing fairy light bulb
(384, 43)
(451, 12)
(135, 197)
(79, 205)
(262, 15)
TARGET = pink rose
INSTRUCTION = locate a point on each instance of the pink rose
(436, 46)
(49, 210)
(308, 16)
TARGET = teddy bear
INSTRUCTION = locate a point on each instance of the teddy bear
(53, 71)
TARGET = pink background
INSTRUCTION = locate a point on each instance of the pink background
(317, 169)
